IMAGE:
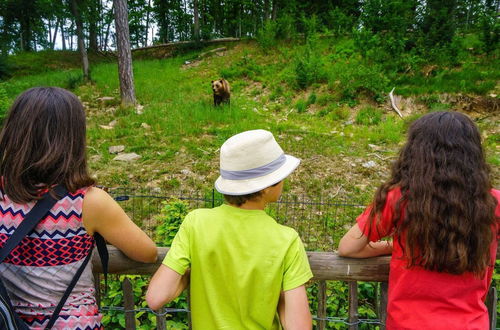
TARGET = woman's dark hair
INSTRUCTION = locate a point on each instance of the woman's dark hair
(447, 207)
(43, 143)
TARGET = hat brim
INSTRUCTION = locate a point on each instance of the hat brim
(249, 186)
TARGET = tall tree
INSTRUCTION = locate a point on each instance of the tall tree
(75, 10)
(125, 72)
(196, 32)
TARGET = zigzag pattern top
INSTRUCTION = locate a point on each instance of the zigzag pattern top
(39, 269)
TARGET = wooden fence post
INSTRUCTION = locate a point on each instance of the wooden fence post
(188, 292)
(97, 287)
(321, 305)
(128, 304)
(353, 305)
(491, 304)
(382, 304)
(161, 322)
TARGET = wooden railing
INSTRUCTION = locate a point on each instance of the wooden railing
(326, 266)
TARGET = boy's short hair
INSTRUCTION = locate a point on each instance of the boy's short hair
(242, 199)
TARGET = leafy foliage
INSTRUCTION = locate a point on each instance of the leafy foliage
(169, 220)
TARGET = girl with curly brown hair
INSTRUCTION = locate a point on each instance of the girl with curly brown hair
(439, 208)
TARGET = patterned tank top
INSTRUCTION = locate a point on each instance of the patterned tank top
(38, 271)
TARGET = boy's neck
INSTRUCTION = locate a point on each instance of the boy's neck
(252, 205)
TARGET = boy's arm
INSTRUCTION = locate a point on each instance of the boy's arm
(166, 285)
(355, 244)
(293, 309)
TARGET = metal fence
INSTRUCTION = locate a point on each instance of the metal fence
(320, 222)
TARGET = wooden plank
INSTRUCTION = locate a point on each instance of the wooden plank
(353, 305)
(382, 304)
(128, 304)
(491, 304)
(161, 321)
(321, 305)
(324, 265)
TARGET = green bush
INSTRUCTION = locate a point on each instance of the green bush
(169, 220)
(301, 106)
(4, 103)
(245, 67)
(266, 36)
(311, 99)
(368, 116)
(309, 68)
(355, 77)
(5, 68)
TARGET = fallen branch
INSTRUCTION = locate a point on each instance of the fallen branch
(380, 157)
(220, 49)
(393, 103)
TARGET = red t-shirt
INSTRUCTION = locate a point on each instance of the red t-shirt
(423, 299)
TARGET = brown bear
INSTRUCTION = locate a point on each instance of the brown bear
(222, 91)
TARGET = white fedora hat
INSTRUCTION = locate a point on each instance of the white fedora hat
(251, 161)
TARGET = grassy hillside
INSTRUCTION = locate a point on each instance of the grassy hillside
(323, 101)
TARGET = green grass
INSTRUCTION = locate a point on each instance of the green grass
(328, 124)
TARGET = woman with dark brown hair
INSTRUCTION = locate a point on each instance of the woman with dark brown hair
(42, 145)
(443, 215)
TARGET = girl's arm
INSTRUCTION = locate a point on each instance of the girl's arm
(355, 244)
(166, 285)
(293, 309)
(103, 215)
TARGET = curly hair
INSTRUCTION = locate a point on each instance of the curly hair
(43, 144)
(446, 212)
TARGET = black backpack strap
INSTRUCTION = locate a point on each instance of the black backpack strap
(104, 255)
(38, 212)
(70, 288)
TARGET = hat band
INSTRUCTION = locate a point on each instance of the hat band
(254, 172)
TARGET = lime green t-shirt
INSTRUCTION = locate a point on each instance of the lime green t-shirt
(240, 261)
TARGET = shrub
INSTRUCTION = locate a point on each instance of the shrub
(309, 68)
(73, 80)
(245, 67)
(4, 103)
(169, 220)
(368, 116)
(266, 36)
(301, 106)
(311, 99)
(354, 77)
(5, 68)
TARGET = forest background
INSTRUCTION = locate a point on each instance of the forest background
(318, 74)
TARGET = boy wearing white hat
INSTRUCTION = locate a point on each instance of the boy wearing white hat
(246, 271)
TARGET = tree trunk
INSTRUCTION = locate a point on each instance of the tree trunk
(275, 10)
(94, 18)
(196, 21)
(145, 42)
(81, 43)
(266, 10)
(63, 39)
(125, 72)
(53, 41)
(106, 38)
(49, 30)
